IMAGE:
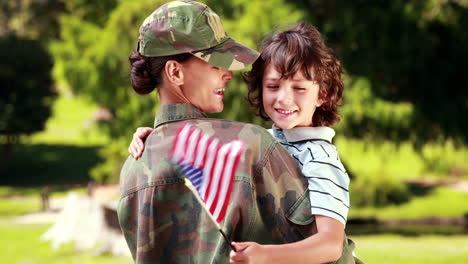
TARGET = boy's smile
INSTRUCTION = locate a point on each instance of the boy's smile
(289, 102)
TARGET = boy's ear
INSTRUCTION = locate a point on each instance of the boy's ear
(322, 98)
(174, 73)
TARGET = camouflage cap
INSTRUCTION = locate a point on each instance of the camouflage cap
(190, 27)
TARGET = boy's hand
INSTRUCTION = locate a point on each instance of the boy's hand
(137, 145)
(248, 252)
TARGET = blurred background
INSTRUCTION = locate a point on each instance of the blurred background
(68, 113)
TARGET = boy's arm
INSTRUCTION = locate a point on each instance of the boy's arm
(325, 246)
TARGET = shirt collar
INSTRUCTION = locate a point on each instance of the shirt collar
(306, 133)
(177, 112)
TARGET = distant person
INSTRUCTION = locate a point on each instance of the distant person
(185, 54)
(297, 83)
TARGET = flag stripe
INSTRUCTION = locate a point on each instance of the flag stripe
(181, 141)
(218, 176)
(210, 158)
(213, 176)
(186, 158)
(210, 166)
(200, 150)
(176, 140)
(228, 177)
(192, 144)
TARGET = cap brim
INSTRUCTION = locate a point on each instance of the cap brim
(230, 55)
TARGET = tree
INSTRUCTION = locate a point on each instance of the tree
(35, 19)
(92, 59)
(410, 51)
(26, 93)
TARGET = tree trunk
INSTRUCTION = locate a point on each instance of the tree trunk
(8, 150)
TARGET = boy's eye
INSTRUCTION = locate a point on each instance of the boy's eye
(216, 68)
(272, 86)
(300, 88)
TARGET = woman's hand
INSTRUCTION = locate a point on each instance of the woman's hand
(137, 145)
(248, 252)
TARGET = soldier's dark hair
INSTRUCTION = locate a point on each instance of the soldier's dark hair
(300, 48)
(146, 71)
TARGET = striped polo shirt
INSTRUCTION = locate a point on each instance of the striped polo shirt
(318, 158)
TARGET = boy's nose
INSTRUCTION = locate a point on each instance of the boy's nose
(284, 96)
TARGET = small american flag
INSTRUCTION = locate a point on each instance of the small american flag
(210, 166)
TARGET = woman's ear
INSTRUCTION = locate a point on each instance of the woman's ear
(174, 73)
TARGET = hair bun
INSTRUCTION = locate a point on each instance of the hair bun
(142, 81)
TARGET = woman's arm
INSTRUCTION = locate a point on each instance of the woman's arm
(324, 246)
(137, 145)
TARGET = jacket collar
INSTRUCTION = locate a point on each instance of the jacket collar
(306, 133)
(177, 112)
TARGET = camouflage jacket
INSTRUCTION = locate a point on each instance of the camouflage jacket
(164, 223)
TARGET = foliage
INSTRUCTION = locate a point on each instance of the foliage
(380, 169)
(92, 60)
(365, 115)
(411, 51)
(387, 47)
(441, 202)
(26, 86)
(445, 158)
(36, 19)
(41, 164)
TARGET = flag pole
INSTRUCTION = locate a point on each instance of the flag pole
(189, 185)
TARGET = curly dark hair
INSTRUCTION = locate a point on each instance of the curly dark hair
(145, 72)
(300, 48)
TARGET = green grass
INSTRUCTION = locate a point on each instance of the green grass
(394, 249)
(34, 192)
(15, 207)
(21, 244)
(7, 191)
(440, 202)
(71, 124)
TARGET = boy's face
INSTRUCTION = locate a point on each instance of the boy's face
(204, 84)
(289, 102)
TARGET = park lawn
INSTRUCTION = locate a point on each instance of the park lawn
(70, 124)
(440, 202)
(15, 207)
(393, 249)
(21, 243)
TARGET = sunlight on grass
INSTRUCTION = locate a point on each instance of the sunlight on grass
(71, 123)
(6, 191)
(16, 207)
(22, 244)
(441, 202)
(393, 249)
